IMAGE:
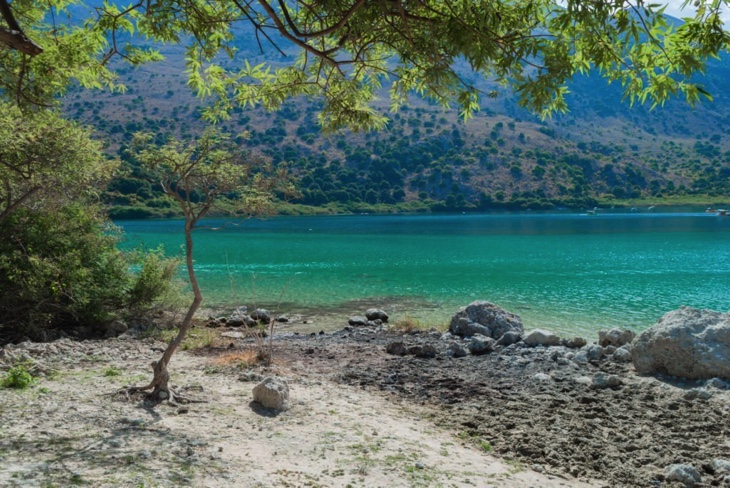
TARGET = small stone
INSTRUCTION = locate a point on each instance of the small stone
(510, 337)
(594, 353)
(376, 314)
(698, 393)
(721, 466)
(144, 454)
(540, 337)
(601, 381)
(542, 378)
(684, 473)
(480, 344)
(358, 321)
(183, 410)
(717, 383)
(622, 355)
(615, 337)
(574, 343)
(420, 465)
(538, 467)
(426, 351)
(396, 348)
(456, 350)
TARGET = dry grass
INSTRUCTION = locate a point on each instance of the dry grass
(408, 324)
(241, 359)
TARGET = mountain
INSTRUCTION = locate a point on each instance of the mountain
(601, 152)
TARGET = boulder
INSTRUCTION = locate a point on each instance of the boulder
(358, 321)
(480, 344)
(240, 321)
(689, 343)
(615, 337)
(540, 337)
(684, 473)
(484, 318)
(273, 393)
(376, 314)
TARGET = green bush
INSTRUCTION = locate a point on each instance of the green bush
(17, 377)
(60, 270)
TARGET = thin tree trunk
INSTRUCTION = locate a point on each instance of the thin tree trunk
(161, 376)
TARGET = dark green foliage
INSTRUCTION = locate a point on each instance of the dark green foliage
(61, 270)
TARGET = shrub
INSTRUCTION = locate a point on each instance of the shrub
(17, 377)
(60, 270)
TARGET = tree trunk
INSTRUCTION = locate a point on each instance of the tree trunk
(161, 376)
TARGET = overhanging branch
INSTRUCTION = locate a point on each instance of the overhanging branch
(13, 35)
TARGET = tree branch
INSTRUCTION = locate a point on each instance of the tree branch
(14, 36)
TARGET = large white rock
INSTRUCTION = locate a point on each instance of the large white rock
(273, 393)
(688, 342)
(484, 318)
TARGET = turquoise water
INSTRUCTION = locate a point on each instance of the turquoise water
(567, 272)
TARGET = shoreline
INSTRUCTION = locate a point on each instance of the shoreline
(530, 416)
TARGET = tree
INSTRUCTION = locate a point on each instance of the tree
(45, 159)
(197, 177)
(348, 48)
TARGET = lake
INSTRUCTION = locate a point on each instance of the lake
(567, 272)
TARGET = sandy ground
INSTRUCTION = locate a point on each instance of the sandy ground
(68, 429)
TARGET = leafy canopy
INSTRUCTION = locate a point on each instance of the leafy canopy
(349, 48)
(46, 161)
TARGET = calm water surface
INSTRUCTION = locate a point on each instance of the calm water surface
(567, 272)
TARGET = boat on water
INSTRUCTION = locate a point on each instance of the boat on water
(721, 212)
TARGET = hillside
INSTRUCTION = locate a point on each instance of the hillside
(601, 152)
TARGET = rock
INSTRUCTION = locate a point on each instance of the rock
(721, 466)
(615, 337)
(622, 354)
(717, 383)
(542, 378)
(250, 376)
(484, 318)
(684, 473)
(574, 343)
(273, 393)
(594, 352)
(540, 337)
(608, 350)
(688, 343)
(456, 350)
(115, 328)
(282, 319)
(396, 348)
(480, 344)
(510, 337)
(426, 351)
(698, 393)
(358, 321)
(447, 336)
(583, 380)
(262, 315)
(376, 314)
(240, 321)
(601, 381)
